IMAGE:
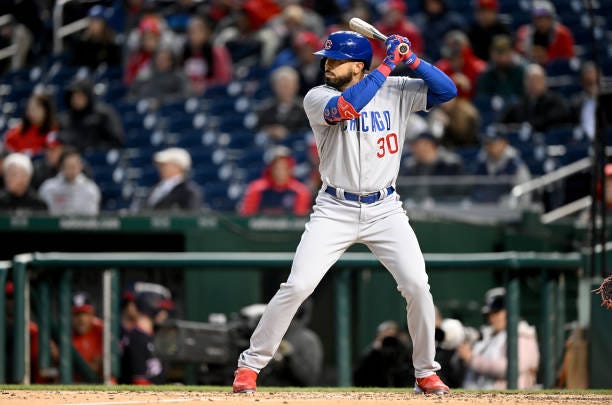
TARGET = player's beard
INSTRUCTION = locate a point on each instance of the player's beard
(339, 82)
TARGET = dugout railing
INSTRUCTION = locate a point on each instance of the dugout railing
(551, 266)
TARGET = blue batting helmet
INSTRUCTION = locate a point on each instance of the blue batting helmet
(347, 45)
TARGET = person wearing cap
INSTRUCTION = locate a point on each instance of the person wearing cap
(205, 63)
(486, 26)
(504, 74)
(540, 107)
(486, 360)
(17, 194)
(277, 192)
(87, 123)
(149, 38)
(139, 362)
(174, 191)
(283, 114)
(97, 45)
(70, 192)
(87, 333)
(48, 166)
(546, 32)
(498, 159)
(38, 122)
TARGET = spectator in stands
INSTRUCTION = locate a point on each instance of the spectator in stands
(98, 44)
(87, 334)
(292, 20)
(284, 114)
(386, 362)
(166, 82)
(206, 64)
(17, 194)
(504, 74)
(37, 123)
(174, 191)
(456, 122)
(298, 362)
(277, 192)
(541, 108)
(434, 21)
(394, 19)
(139, 363)
(245, 36)
(486, 26)
(546, 38)
(148, 38)
(430, 159)
(70, 192)
(460, 64)
(498, 159)
(584, 105)
(487, 360)
(88, 124)
(26, 32)
(302, 58)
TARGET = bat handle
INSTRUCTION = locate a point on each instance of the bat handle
(403, 49)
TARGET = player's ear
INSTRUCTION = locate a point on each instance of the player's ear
(358, 67)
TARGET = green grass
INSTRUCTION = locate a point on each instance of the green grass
(200, 388)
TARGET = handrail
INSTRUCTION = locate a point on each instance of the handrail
(567, 209)
(60, 31)
(549, 178)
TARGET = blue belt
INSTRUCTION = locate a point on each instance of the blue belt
(366, 199)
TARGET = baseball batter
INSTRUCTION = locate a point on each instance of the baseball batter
(358, 122)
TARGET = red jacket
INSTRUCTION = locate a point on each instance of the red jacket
(472, 67)
(90, 345)
(406, 29)
(561, 44)
(263, 196)
(30, 142)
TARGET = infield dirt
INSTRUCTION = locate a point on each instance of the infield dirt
(23, 397)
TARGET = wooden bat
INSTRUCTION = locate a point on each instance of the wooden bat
(368, 30)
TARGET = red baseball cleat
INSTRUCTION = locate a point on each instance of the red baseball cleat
(245, 380)
(431, 385)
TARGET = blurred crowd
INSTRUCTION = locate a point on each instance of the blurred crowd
(169, 51)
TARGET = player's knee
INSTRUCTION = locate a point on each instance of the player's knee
(299, 290)
(414, 286)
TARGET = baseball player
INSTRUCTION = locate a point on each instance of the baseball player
(358, 122)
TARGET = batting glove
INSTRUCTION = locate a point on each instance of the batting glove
(410, 58)
(393, 55)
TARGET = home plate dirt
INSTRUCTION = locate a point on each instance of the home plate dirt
(23, 397)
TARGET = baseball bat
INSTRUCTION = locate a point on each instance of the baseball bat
(368, 30)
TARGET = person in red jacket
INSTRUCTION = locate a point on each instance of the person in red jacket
(277, 192)
(37, 123)
(545, 39)
(460, 64)
(87, 333)
(393, 19)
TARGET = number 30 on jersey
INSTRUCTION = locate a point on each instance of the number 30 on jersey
(387, 144)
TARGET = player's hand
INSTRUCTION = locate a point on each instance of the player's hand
(392, 44)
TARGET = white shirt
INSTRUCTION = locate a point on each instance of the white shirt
(80, 197)
(363, 155)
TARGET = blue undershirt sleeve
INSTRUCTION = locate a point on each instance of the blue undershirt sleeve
(440, 87)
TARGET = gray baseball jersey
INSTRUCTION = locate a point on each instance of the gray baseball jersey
(363, 155)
